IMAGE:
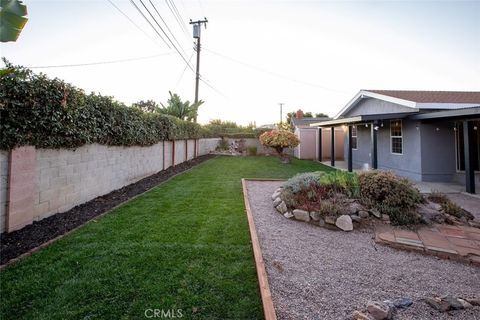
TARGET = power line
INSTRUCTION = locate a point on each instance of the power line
(100, 62)
(166, 25)
(151, 25)
(183, 72)
(178, 17)
(171, 42)
(133, 22)
(278, 75)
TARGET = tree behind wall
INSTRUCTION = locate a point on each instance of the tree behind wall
(182, 110)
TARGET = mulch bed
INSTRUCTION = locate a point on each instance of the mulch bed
(18, 242)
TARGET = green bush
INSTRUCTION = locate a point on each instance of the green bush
(302, 180)
(343, 182)
(49, 113)
(391, 195)
(252, 150)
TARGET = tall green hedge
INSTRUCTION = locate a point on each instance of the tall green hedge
(49, 113)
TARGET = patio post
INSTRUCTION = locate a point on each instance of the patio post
(332, 148)
(374, 145)
(350, 130)
(469, 156)
(320, 144)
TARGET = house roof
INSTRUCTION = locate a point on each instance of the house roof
(307, 121)
(433, 96)
(418, 100)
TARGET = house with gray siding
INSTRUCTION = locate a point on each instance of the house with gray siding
(429, 136)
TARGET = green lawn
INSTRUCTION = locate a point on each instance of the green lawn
(183, 245)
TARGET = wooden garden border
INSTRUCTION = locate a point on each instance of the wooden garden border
(268, 309)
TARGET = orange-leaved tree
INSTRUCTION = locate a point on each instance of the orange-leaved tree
(279, 140)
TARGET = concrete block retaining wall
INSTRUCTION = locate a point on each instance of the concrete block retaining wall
(37, 183)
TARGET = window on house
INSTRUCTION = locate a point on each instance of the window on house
(354, 137)
(396, 136)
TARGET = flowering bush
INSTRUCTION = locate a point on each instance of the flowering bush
(279, 139)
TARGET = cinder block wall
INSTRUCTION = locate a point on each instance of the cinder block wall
(207, 145)
(3, 187)
(65, 178)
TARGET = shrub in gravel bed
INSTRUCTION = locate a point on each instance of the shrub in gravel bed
(392, 195)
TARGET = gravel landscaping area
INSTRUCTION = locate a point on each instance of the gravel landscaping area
(316, 273)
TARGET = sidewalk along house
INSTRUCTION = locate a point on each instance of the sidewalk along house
(312, 145)
(423, 135)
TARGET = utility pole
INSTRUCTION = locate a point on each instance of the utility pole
(197, 27)
(281, 115)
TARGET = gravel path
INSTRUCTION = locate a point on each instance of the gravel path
(315, 273)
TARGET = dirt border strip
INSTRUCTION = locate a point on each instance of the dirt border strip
(49, 242)
(268, 309)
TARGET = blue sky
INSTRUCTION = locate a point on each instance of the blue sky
(312, 55)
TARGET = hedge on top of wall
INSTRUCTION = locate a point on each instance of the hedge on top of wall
(49, 113)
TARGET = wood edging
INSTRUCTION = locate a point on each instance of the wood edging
(49, 242)
(268, 309)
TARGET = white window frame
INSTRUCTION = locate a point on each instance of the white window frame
(355, 136)
(391, 137)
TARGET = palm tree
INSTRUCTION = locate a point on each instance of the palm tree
(182, 110)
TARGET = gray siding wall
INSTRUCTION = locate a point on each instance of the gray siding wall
(438, 151)
(374, 106)
(407, 164)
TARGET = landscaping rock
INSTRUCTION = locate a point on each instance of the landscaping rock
(353, 208)
(288, 215)
(315, 216)
(321, 222)
(357, 315)
(282, 207)
(277, 201)
(385, 217)
(438, 304)
(276, 194)
(473, 301)
(355, 218)
(465, 304)
(330, 220)
(301, 215)
(344, 222)
(379, 310)
(402, 303)
(376, 213)
(363, 214)
(454, 303)
(430, 213)
(474, 224)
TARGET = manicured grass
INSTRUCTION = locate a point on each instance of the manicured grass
(183, 245)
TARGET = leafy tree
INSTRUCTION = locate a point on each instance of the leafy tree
(182, 110)
(279, 140)
(12, 19)
(321, 115)
(290, 115)
(146, 106)
(307, 115)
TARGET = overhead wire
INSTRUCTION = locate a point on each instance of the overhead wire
(99, 62)
(131, 21)
(171, 42)
(274, 73)
(178, 17)
(151, 25)
(183, 72)
(166, 25)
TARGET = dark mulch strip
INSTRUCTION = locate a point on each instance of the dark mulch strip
(18, 242)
